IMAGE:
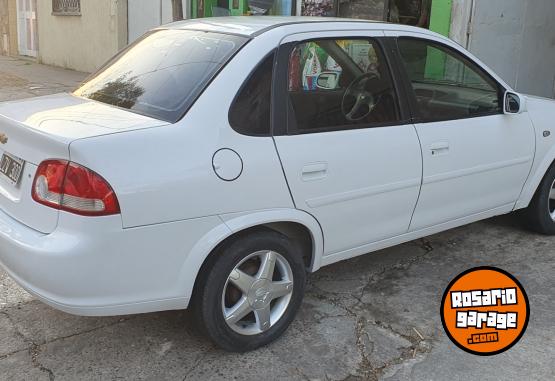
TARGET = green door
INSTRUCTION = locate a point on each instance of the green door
(440, 18)
(209, 8)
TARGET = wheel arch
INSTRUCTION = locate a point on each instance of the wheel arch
(535, 178)
(293, 223)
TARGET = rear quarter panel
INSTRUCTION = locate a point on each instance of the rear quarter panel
(165, 174)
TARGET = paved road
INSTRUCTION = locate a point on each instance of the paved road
(373, 317)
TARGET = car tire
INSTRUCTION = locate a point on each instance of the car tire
(539, 216)
(235, 281)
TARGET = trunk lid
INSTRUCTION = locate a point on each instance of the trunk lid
(37, 129)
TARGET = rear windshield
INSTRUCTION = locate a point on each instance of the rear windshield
(163, 73)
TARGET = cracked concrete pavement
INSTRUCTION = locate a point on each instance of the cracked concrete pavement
(369, 318)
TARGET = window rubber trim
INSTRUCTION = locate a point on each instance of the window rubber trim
(279, 109)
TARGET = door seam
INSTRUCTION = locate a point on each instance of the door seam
(421, 177)
(284, 175)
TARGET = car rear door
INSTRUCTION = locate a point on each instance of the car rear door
(476, 159)
(360, 179)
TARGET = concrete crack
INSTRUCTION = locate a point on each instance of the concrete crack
(196, 365)
(122, 320)
(426, 245)
(301, 374)
(418, 344)
(365, 368)
(423, 244)
(32, 348)
(34, 351)
(5, 356)
(17, 332)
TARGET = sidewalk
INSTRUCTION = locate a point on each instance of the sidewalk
(24, 79)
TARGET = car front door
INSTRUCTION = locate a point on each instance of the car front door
(475, 158)
(349, 153)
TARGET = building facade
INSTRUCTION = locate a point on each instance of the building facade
(82, 36)
(8, 28)
(514, 37)
(74, 34)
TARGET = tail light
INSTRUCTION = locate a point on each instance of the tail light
(71, 187)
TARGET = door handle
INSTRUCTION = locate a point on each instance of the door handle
(439, 148)
(314, 171)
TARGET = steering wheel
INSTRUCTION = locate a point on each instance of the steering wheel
(478, 104)
(363, 98)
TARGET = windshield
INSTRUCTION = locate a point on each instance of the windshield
(162, 74)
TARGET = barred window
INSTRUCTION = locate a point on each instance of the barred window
(66, 7)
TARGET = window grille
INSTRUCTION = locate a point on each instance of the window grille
(66, 7)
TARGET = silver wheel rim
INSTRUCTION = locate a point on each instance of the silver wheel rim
(257, 292)
(551, 201)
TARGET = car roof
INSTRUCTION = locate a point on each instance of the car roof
(252, 26)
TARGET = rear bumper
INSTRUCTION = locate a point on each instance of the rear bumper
(96, 268)
(100, 310)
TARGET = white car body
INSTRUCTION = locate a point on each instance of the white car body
(373, 188)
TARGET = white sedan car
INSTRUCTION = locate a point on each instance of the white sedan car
(213, 163)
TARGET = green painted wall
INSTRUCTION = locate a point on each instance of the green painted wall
(440, 22)
(241, 9)
(440, 18)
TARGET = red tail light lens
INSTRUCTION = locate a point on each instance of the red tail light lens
(71, 187)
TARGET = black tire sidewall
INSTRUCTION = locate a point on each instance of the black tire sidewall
(538, 210)
(208, 304)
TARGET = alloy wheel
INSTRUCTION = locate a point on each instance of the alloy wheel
(257, 292)
(551, 201)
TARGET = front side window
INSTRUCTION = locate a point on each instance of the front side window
(163, 73)
(446, 84)
(339, 84)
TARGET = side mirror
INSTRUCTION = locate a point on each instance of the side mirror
(514, 103)
(328, 80)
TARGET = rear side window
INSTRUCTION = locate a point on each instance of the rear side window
(163, 73)
(250, 112)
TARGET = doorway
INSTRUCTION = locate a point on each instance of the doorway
(27, 27)
(209, 8)
(409, 12)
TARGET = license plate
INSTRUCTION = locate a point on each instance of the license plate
(11, 167)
